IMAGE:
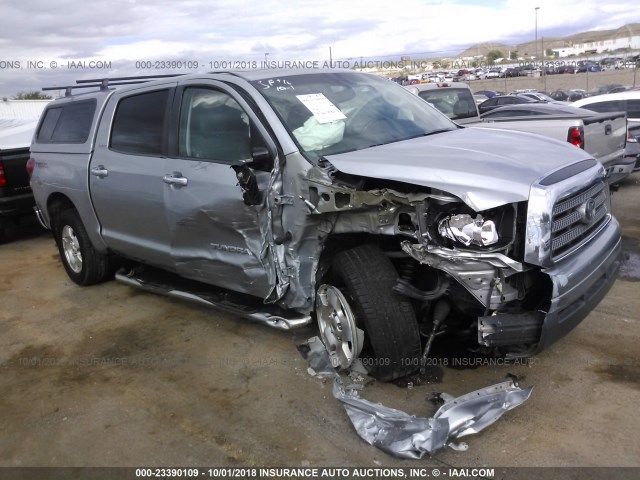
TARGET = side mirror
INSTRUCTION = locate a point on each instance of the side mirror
(261, 159)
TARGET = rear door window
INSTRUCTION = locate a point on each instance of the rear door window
(139, 123)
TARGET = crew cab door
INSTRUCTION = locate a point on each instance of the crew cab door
(126, 174)
(218, 236)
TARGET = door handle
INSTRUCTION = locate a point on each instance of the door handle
(608, 129)
(100, 171)
(176, 179)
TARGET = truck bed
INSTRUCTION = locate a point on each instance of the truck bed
(604, 133)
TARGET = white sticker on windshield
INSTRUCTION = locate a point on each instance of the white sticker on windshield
(323, 110)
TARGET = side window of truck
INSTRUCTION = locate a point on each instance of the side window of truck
(69, 123)
(605, 107)
(213, 126)
(632, 107)
(139, 123)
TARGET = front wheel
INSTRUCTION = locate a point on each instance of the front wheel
(391, 347)
(83, 263)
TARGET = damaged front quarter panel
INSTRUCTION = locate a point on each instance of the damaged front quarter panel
(327, 207)
(386, 211)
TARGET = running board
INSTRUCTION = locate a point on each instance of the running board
(165, 283)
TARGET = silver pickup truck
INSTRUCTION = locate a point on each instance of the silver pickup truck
(288, 196)
(602, 135)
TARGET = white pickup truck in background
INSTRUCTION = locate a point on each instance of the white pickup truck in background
(603, 135)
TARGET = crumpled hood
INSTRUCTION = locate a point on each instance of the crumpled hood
(484, 168)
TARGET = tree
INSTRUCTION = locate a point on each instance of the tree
(33, 95)
(493, 55)
(514, 55)
(550, 52)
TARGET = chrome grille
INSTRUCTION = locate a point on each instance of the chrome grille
(577, 217)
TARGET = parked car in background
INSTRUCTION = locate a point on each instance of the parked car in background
(535, 110)
(603, 89)
(488, 93)
(529, 71)
(479, 98)
(629, 102)
(539, 96)
(494, 73)
(567, 95)
(560, 95)
(453, 99)
(16, 199)
(566, 69)
(600, 134)
(588, 67)
(18, 121)
(503, 100)
(625, 88)
(603, 136)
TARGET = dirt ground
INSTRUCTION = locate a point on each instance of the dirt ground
(112, 376)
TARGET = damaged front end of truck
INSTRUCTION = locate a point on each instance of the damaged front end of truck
(402, 228)
(506, 280)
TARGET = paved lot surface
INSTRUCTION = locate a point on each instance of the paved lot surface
(112, 376)
(551, 83)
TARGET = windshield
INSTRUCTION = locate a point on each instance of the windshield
(330, 113)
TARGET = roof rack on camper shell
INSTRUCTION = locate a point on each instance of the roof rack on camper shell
(105, 83)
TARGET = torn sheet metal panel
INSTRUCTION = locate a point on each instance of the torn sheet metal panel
(475, 411)
(407, 436)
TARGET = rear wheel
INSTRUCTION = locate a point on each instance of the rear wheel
(83, 263)
(366, 276)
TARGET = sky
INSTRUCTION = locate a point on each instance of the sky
(55, 35)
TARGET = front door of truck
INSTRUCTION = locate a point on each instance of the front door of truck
(218, 234)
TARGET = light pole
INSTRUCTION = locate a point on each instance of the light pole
(536, 10)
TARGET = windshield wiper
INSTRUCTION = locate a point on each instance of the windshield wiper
(442, 130)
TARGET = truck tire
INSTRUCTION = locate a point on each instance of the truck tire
(83, 263)
(392, 340)
(3, 230)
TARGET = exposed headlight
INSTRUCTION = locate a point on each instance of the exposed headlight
(469, 231)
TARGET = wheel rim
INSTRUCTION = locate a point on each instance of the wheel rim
(71, 249)
(342, 339)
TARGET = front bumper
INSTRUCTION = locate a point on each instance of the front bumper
(579, 283)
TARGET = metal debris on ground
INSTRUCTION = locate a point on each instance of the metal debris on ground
(407, 436)
(315, 353)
